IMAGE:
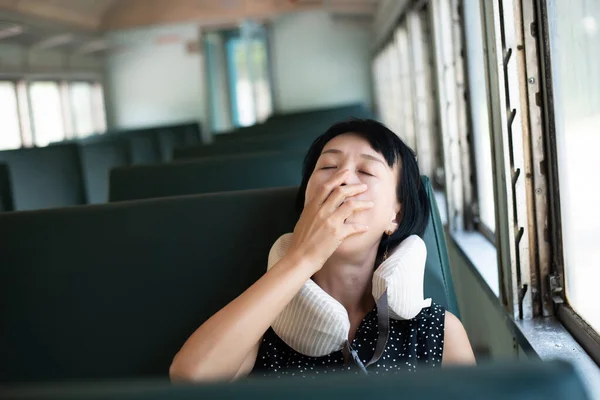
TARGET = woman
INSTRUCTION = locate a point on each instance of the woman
(360, 197)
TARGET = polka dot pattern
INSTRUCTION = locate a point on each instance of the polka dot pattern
(413, 344)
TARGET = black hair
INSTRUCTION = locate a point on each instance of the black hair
(410, 191)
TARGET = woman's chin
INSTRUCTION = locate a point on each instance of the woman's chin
(355, 244)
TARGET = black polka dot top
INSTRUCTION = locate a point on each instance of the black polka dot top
(413, 344)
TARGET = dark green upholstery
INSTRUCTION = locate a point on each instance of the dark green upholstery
(171, 138)
(291, 131)
(45, 177)
(113, 290)
(246, 145)
(76, 171)
(310, 122)
(6, 197)
(327, 115)
(438, 263)
(97, 159)
(554, 380)
(144, 148)
(212, 174)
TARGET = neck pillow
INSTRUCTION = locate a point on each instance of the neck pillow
(315, 324)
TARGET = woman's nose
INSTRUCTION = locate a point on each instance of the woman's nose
(351, 179)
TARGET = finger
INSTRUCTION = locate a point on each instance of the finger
(341, 194)
(350, 207)
(336, 180)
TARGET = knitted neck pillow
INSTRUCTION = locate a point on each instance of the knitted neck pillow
(315, 324)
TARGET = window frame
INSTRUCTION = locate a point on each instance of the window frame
(581, 330)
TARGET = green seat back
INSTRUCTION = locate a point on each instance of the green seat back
(206, 175)
(98, 158)
(514, 380)
(308, 123)
(327, 115)
(299, 143)
(6, 198)
(171, 138)
(112, 291)
(144, 148)
(45, 177)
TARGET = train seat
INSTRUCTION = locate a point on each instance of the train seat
(514, 380)
(112, 291)
(6, 197)
(45, 177)
(98, 157)
(246, 145)
(207, 175)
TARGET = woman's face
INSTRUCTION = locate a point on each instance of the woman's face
(353, 152)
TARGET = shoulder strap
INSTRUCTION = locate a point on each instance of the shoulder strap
(383, 325)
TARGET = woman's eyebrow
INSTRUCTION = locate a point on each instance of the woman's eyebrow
(367, 156)
(372, 158)
(332, 151)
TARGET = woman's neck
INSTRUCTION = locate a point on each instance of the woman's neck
(349, 281)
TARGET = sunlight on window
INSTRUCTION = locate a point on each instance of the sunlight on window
(262, 88)
(98, 108)
(575, 62)
(47, 113)
(22, 99)
(10, 132)
(80, 94)
(478, 102)
(244, 97)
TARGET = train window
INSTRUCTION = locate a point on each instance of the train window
(380, 89)
(82, 110)
(240, 82)
(395, 102)
(423, 101)
(574, 31)
(10, 137)
(98, 108)
(47, 112)
(405, 91)
(479, 115)
(248, 74)
(24, 116)
(405, 111)
(388, 89)
(262, 87)
(66, 109)
(450, 109)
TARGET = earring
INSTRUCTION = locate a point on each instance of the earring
(385, 253)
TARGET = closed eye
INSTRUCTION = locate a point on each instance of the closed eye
(329, 167)
(366, 173)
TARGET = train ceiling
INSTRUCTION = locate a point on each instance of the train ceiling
(103, 15)
(78, 26)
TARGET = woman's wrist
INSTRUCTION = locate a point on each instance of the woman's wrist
(302, 261)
